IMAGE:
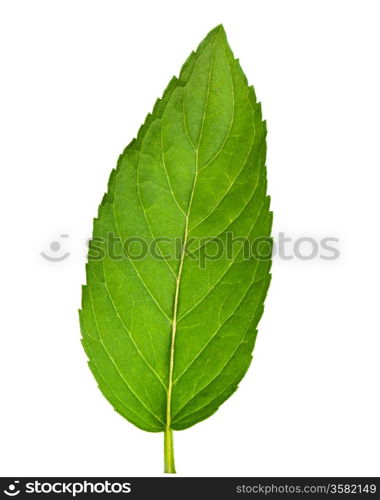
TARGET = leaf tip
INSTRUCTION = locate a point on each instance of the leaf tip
(220, 28)
(213, 34)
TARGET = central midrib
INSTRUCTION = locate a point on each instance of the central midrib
(183, 253)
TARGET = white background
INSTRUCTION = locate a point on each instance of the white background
(77, 80)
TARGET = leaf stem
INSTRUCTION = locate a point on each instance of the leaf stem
(169, 451)
(168, 434)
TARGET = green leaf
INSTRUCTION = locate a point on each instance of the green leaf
(168, 325)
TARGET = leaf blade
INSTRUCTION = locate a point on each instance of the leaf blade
(196, 170)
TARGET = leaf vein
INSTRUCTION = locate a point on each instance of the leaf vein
(117, 368)
(223, 368)
(221, 325)
(137, 273)
(232, 262)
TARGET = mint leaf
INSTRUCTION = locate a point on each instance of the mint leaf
(172, 300)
